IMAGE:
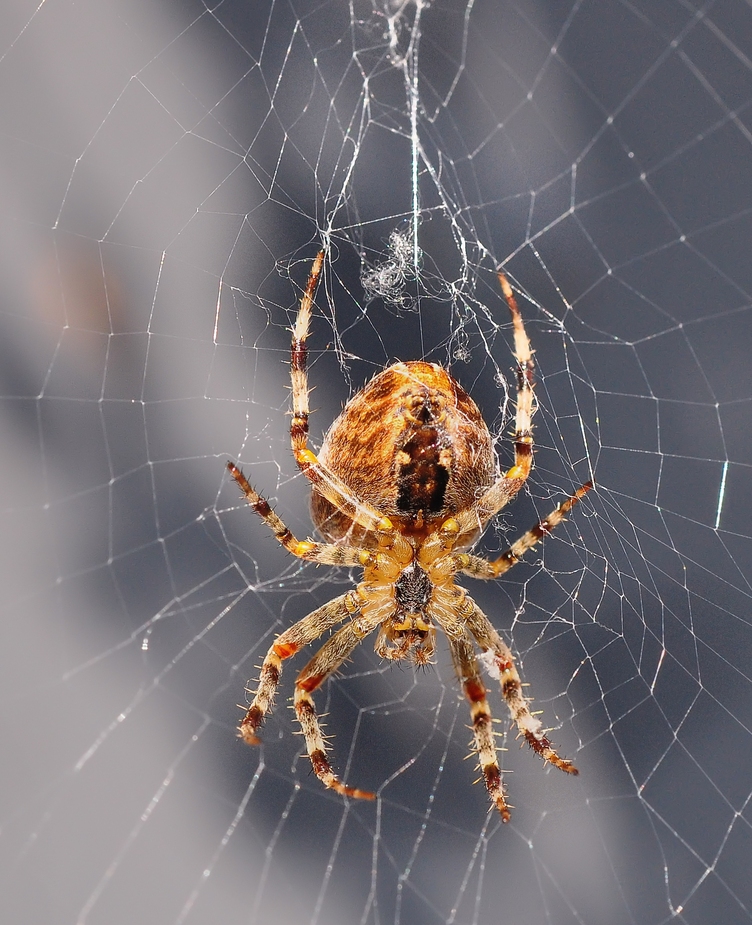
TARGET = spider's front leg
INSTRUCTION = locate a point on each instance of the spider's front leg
(502, 665)
(468, 672)
(523, 353)
(323, 664)
(293, 639)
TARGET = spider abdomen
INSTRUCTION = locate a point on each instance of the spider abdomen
(412, 444)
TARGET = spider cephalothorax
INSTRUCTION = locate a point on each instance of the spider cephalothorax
(405, 482)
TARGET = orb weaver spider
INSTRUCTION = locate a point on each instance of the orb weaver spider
(404, 484)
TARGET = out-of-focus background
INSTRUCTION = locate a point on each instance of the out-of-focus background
(168, 171)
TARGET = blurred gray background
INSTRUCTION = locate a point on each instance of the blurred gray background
(168, 171)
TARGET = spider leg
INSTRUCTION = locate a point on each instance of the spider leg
(502, 666)
(523, 423)
(299, 359)
(295, 637)
(325, 482)
(326, 661)
(322, 553)
(507, 485)
(468, 672)
(479, 567)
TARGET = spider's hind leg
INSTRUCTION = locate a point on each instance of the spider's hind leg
(325, 482)
(523, 427)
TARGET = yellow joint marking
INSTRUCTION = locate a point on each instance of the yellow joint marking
(307, 456)
(450, 526)
(365, 557)
(304, 547)
(517, 472)
(384, 525)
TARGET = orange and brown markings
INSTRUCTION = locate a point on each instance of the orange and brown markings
(323, 770)
(423, 469)
(310, 683)
(495, 787)
(542, 747)
(253, 719)
(485, 743)
(285, 649)
(474, 690)
(299, 428)
(412, 444)
(306, 713)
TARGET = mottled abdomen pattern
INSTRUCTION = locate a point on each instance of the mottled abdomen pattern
(412, 444)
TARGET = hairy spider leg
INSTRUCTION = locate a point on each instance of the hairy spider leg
(323, 664)
(468, 672)
(309, 628)
(289, 642)
(325, 482)
(509, 484)
(523, 425)
(322, 553)
(511, 689)
(479, 567)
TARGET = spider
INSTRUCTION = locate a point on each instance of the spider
(404, 484)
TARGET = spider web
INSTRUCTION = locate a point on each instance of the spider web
(169, 171)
